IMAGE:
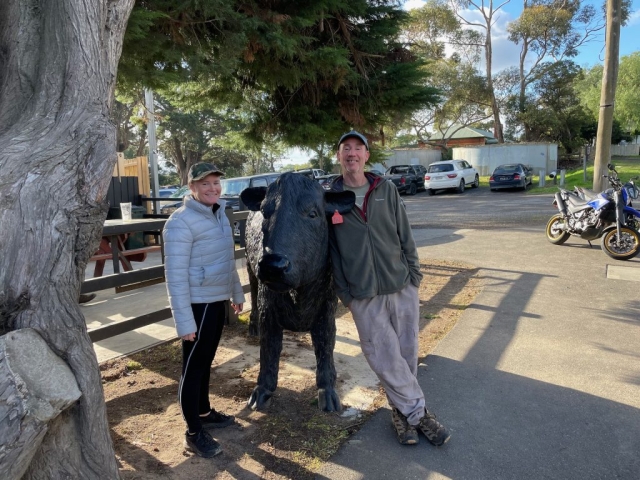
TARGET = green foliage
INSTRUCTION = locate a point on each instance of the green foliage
(552, 111)
(627, 107)
(297, 71)
(627, 104)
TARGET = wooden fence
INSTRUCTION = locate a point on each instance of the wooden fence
(135, 167)
(145, 276)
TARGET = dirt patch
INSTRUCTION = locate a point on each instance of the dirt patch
(292, 438)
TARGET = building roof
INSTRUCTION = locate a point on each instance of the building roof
(465, 132)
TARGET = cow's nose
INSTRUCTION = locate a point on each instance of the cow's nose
(274, 264)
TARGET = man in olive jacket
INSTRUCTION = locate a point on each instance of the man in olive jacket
(377, 276)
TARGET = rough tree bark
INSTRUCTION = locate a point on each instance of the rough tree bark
(58, 63)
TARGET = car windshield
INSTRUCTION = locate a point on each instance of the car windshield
(443, 167)
(506, 169)
(181, 192)
(234, 186)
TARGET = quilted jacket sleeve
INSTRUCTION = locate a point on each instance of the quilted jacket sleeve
(178, 242)
(237, 294)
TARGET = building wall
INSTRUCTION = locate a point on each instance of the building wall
(411, 156)
(539, 156)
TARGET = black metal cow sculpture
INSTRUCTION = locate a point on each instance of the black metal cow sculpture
(287, 247)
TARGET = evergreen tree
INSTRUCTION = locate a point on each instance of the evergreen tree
(300, 71)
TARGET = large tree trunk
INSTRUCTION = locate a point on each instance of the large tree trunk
(58, 62)
(495, 110)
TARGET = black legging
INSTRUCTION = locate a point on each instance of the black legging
(197, 357)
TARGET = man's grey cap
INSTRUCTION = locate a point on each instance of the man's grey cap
(200, 170)
(354, 134)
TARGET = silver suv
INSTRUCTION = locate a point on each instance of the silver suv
(232, 187)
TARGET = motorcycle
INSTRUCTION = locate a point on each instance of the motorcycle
(608, 215)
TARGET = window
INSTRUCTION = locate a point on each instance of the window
(234, 186)
(443, 167)
(259, 182)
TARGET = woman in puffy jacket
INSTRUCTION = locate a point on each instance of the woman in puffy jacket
(201, 276)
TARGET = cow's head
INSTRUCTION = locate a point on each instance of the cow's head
(295, 234)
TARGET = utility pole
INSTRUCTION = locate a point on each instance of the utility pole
(607, 93)
(153, 147)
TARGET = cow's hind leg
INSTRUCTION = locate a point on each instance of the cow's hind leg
(254, 320)
(323, 336)
(270, 349)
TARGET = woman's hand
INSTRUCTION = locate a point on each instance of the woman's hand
(237, 308)
(189, 337)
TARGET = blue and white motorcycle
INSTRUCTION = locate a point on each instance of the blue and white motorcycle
(608, 215)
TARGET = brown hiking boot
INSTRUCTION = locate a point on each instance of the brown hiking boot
(407, 434)
(433, 430)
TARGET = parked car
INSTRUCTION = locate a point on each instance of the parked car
(513, 175)
(450, 175)
(312, 173)
(166, 192)
(325, 180)
(232, 187)
(407, 178)
(167, 208)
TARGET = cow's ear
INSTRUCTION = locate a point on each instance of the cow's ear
(253, 197)
(343, 202)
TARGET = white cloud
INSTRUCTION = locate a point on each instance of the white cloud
(411, 4)
(634, 19)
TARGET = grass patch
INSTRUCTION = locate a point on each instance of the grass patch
(133, 365)
(627, 168)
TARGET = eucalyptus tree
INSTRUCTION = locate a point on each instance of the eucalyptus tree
(487, 12)
(434, 33)
(627, 102)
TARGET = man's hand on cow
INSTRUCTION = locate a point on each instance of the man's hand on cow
(189, 337)
(237, 308)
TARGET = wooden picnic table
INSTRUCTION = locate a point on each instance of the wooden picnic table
(112, 245)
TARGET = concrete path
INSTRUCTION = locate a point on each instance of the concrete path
(539, 379)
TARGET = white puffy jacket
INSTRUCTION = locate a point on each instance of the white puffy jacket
(199, 261)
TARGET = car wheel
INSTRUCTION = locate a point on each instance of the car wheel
(460, 188)
(413, 188)
(431, 191)
(476, 182)
(493, 189)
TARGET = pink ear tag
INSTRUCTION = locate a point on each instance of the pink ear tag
(336, 218)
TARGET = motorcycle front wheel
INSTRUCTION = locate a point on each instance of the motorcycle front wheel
(555, 234)
(629, 243)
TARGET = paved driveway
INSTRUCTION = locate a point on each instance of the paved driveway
(540, 378)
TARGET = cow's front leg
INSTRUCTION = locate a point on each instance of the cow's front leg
(323, 336)
(270, 349)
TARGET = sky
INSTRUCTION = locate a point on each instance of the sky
(505, 53)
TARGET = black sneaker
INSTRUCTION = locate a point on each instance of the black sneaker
(217, 420)
(202, 444)
(407, 434)
(433, 430)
